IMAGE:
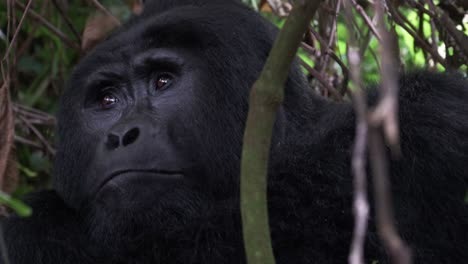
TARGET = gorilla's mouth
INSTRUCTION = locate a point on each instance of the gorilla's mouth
(136, 174)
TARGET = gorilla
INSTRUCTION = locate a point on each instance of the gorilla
(150, 137)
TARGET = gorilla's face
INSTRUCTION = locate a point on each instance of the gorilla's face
(147, 126)
(154, 117)
(140, 113)
(151, 124)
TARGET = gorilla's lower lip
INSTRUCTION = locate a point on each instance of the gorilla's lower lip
(161, 174)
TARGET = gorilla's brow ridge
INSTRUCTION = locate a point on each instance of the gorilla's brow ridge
(112, 73)
(158, 57)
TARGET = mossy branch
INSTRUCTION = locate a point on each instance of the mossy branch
(266, 96)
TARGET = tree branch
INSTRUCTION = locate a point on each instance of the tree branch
(358, 162)
(266, 96)
(384, 124)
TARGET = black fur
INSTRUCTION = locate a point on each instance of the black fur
(198, 122)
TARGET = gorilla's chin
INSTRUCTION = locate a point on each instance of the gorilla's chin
(143, 208)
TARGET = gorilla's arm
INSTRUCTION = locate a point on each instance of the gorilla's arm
(51, 235)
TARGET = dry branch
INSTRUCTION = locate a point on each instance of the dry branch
(106, 12)
(384, 123)
(8, 173)
(360, 201)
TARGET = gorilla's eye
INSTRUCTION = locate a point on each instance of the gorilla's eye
(163, 80)
(108, 100)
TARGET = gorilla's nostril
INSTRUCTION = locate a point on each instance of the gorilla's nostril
(130, 136)
(112, 141)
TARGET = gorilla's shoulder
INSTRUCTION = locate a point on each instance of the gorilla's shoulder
(434, 127)
(434, 99)
(431, 100)
(422, 85)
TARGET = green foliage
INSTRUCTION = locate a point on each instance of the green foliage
(252, 3)
(41, 71)
(19, 207)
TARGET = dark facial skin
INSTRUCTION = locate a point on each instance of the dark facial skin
(144, 146)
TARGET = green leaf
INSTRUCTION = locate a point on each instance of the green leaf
(29, 173)
(19, 207)
(30, 65)
(39, 162)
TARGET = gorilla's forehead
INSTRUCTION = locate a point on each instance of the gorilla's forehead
(234, 39)
(187, 27)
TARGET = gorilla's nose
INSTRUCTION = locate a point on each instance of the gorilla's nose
(123, 138)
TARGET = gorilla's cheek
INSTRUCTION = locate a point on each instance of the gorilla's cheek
(151, 133)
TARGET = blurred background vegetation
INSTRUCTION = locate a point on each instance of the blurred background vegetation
(40, 46)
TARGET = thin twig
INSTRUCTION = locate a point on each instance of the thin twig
(18, 28)
(398, 250)
(320, 77)
(384, 118)
(34, 115)
(366, 18)
(67, 21)
(28, 142)
(458, 36)
(386, 112)
(31, 35)
(6, 115)
(360, 201)
(39, 135)
(332, 54)
(396, 16)
(329, 51)
(421, 8)
(50, 27)
(332, 37)
(105, 11)
(433, 39)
